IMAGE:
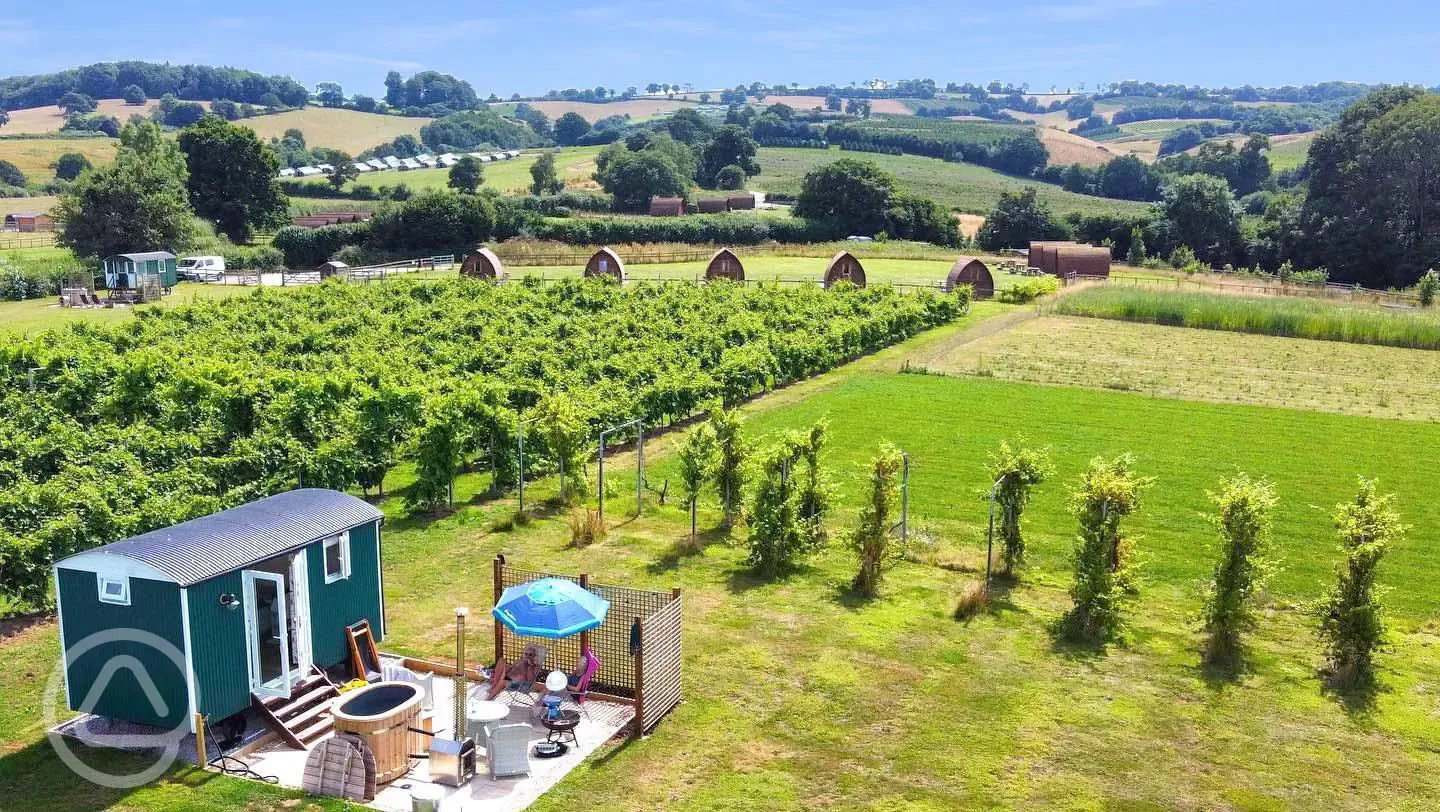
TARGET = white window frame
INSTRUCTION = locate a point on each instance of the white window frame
(123, 599)
(343, 542)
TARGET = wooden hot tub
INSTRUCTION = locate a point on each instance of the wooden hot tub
(382, 715)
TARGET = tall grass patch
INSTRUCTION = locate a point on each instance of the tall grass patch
(1276, 316)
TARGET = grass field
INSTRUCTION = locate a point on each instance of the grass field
(36, 156)
(346, 130)
(49, 119)
(1161, 127)
(38, 203)
(1068, 148)
(1175, 362)
(802, 696)
(966, 187)
(1279, 316)
(574, 165)
(34, 315)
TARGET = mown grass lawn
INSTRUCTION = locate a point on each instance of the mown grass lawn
(33, 315)
(801, 696)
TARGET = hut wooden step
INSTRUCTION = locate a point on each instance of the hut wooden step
(303, 715)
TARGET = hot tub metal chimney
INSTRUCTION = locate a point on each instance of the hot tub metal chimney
(460, 683)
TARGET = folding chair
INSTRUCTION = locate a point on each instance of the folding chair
(587, 673)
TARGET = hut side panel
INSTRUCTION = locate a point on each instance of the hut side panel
(971, 271)
(154, 608)
(221, 672)
(482, 263)
(605, 262)
(1085, 260)
(347, 601)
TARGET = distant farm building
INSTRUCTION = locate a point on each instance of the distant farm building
(309, 171)
(482, 264)
(971, 271)
(287, 172)
(359, 167)
(332, 268)
(713, 205)
(605, 263)
(741, 202)
(1065, 258)
(392, 162)
(844, 267)
(330, 218)
(27, 221)
(377, 164)
(667, 206)
(725, 265)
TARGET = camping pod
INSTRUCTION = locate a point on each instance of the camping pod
(1081, 260)
(725, 265)
(605, 262)
(844, 267)
(971, 271)
(212, 614)
(483, 264)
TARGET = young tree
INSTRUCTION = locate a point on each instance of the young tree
(330, 94)
(730, 177)
(697, 464)
(732, 454)
(1243, 520)
(4, 117)
(853, 192)
(133, 94)
(231, 177)
(342, 171)
(1202, 212)
(1428, 286)
(543, 178)
(385, 416)
(138, 203)
(1136, 254)
(466, 175)
(569, 128)
(1109, 491)
(1351, 623)
(779, 537)
(1015, 469)
(394, 89)
(872, 540)
(833, 103)
(566, 429)
(816, 494)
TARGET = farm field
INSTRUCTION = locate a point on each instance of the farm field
(49, 119)
(1326, 320)
(34, 315)
(37, 203)
(346, 130)
(573, 164)
(637, 109)
(1177, 362)
(1068, 148)
(801, 696)
(965, 187)
(36, 156)
(1161, 127)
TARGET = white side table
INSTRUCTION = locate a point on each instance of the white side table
(484, 714)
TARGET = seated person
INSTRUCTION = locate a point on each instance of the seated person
(520, 674)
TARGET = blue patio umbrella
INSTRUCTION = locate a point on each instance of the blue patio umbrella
(550, 607)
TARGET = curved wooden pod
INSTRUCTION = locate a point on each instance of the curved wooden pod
(844, 267)
(605, 262)
(1083, 260)
(725, 265)
(482, 263)
(382, 715)
(971, 271)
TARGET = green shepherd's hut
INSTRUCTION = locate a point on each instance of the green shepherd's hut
(220, 613)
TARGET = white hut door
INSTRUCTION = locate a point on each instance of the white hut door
(267, 633)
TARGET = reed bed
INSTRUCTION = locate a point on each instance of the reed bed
(1264, 315)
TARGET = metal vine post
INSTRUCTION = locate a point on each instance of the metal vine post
(639, 425)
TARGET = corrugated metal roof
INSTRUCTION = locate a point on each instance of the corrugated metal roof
(223, 542)
(143, 257)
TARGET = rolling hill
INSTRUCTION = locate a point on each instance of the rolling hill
(49, 119)
(347, 130)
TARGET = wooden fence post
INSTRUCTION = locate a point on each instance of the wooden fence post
(640, 682)
(499, 588)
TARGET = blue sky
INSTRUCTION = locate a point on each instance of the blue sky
(505, 47)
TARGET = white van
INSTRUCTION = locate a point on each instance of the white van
(201, 269)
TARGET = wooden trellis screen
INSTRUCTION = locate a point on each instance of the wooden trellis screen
(649, 677)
